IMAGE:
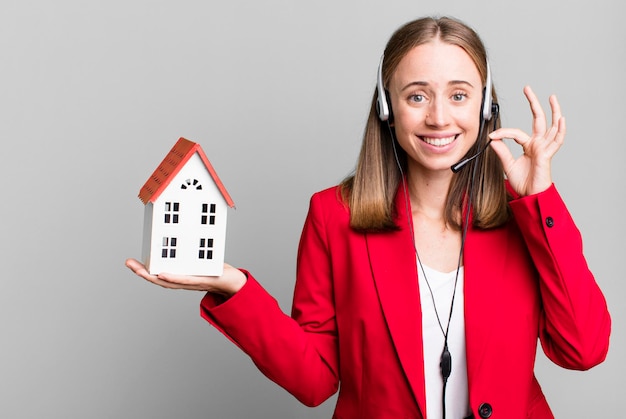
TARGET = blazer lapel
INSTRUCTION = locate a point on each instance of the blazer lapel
(484, 260)
(393, 265)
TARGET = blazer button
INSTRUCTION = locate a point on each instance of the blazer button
(549, 222)
(485, 410)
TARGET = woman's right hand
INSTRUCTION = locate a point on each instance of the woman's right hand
(231, 280)
(530, 173)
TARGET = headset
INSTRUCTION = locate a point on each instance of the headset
(488, 108)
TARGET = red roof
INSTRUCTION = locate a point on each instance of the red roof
(171, 165)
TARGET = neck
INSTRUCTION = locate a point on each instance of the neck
(428, 191)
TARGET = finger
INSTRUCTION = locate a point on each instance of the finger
(140, 270)
(556, 110)
(185, 280)
(539, 116)
(556, 134)
(137, 267)
(166, 281)
(517, 135)
(504, 153)
(559, 136)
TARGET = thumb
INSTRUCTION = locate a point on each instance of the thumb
(503, 152)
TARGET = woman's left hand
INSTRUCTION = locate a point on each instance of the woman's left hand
(530, 173)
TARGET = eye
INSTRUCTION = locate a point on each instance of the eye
(459, 97)
(416, 98)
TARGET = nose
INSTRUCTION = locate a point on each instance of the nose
(438, 114)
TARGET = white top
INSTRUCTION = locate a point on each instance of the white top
(457, 398)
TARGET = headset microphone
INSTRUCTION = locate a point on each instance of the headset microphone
(457, 167)
(495, 110)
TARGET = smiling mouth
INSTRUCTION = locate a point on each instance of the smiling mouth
(439, 142)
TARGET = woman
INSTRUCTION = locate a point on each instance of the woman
(422, 292)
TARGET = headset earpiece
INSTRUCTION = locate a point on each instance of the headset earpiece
(382, 103)
(487, 110)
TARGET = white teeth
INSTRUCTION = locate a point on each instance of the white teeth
(439, 142)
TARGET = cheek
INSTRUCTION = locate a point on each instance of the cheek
(469, 119)
(407, 119)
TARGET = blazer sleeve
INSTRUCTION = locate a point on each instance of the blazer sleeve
(575, 322)
(299, 353)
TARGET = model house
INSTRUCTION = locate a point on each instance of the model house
(186, 206)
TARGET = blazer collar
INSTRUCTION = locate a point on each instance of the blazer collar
(484, 258)
(394, 269)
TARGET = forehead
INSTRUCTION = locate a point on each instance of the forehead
(436, 62)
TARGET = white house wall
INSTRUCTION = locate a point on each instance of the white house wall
(188, 231)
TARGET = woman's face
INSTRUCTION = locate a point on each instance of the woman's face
(436, 94)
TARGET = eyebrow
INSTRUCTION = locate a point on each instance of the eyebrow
(424, 83)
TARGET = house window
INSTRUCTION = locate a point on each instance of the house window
(169, 248)
(206, 249)
(208, 214)
(171, 212)
(191, 184)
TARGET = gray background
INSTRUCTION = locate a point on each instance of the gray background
(94, 93)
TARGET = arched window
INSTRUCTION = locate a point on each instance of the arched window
(191, 184)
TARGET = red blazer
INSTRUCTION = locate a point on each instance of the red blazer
(356, 319)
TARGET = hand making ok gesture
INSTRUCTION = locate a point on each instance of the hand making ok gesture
(530, 173)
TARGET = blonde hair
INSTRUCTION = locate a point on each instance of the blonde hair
(371, 190)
